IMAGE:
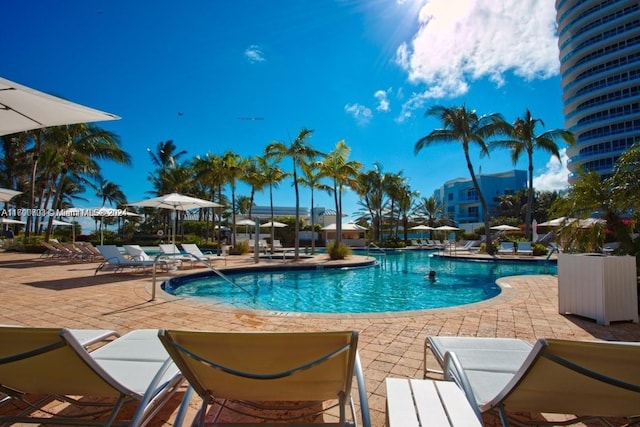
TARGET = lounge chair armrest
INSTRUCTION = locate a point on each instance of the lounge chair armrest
(152, 393)
(362, 393)
(453, 371)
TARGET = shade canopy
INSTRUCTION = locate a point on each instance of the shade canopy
(245, 222)
(505, 227)
(23, 108)
(446, 228)
(10, 221)
(176, 202)
(422, 227)
(6, 194)
(275, 224)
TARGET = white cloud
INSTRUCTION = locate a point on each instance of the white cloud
(361, 113)
(478, 39)
(383, 101)
(254, 54)
(555, 175)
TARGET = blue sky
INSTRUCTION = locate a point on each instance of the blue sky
(362, 71)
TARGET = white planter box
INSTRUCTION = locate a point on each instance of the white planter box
(599, 287)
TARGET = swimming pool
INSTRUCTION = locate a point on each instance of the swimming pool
(398, 283)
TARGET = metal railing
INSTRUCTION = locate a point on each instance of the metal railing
(370, 245)
(204, 262)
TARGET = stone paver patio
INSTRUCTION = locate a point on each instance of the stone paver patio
(40, 292)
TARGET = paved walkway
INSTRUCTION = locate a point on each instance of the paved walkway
(39, 292)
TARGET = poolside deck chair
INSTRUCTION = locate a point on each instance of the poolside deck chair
(193, 249)
(524, 248)
(507, 248)
(51, 362)
(171, 252)
(582, 378)
(115, 260)
(270, 367)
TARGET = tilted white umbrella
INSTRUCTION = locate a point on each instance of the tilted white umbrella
(504, 227)
(6, 194)
(23, 108)
(275, 224)
(176, 202)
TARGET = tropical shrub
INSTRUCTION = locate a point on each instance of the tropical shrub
(338, 250)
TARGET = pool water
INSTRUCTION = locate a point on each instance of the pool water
(399, 282)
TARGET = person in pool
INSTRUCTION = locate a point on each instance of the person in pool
(432, 276)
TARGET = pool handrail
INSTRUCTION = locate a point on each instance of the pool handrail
(200, 260)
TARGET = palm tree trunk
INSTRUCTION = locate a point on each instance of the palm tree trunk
(527, 225)
(296, 245)
(483, 203)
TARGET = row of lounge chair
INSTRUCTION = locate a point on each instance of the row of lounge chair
(510, 248)
(78, 251)
(137, 258)
(589, 379)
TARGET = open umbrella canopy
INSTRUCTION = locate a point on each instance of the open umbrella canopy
(275, 224)
(176, 202)
(10, 221)
(6, 194)
(446, 228)
(245, 222)
(23, 108)
(505, 227)
(422, 227)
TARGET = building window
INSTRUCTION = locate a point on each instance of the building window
(450, 196)
(471, 194)
(473, 212)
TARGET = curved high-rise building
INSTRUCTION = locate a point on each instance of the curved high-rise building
(599, 43)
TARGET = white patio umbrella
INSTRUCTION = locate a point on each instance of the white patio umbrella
(504, 227)
(176, 202)
(23, 108)
(6, 194)
(275, 224)
(11, 221)
(534, 230)
(422, 229)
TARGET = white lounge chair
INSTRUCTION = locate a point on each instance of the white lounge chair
(171, 251)
(589, 379)
(270, 367)
(52, 362)
(507, 248)
(524, 248)
(115, 260)
(193, 249)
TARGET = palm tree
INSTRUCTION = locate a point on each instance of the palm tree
(80, 146)
(209, 170)
(312, 178)
(525, 140)
(273, 175)
(341, 171)
(300, 152)
(464, 126)
(431, 209)
(165, 158)
(233, 167)
(371, 193)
